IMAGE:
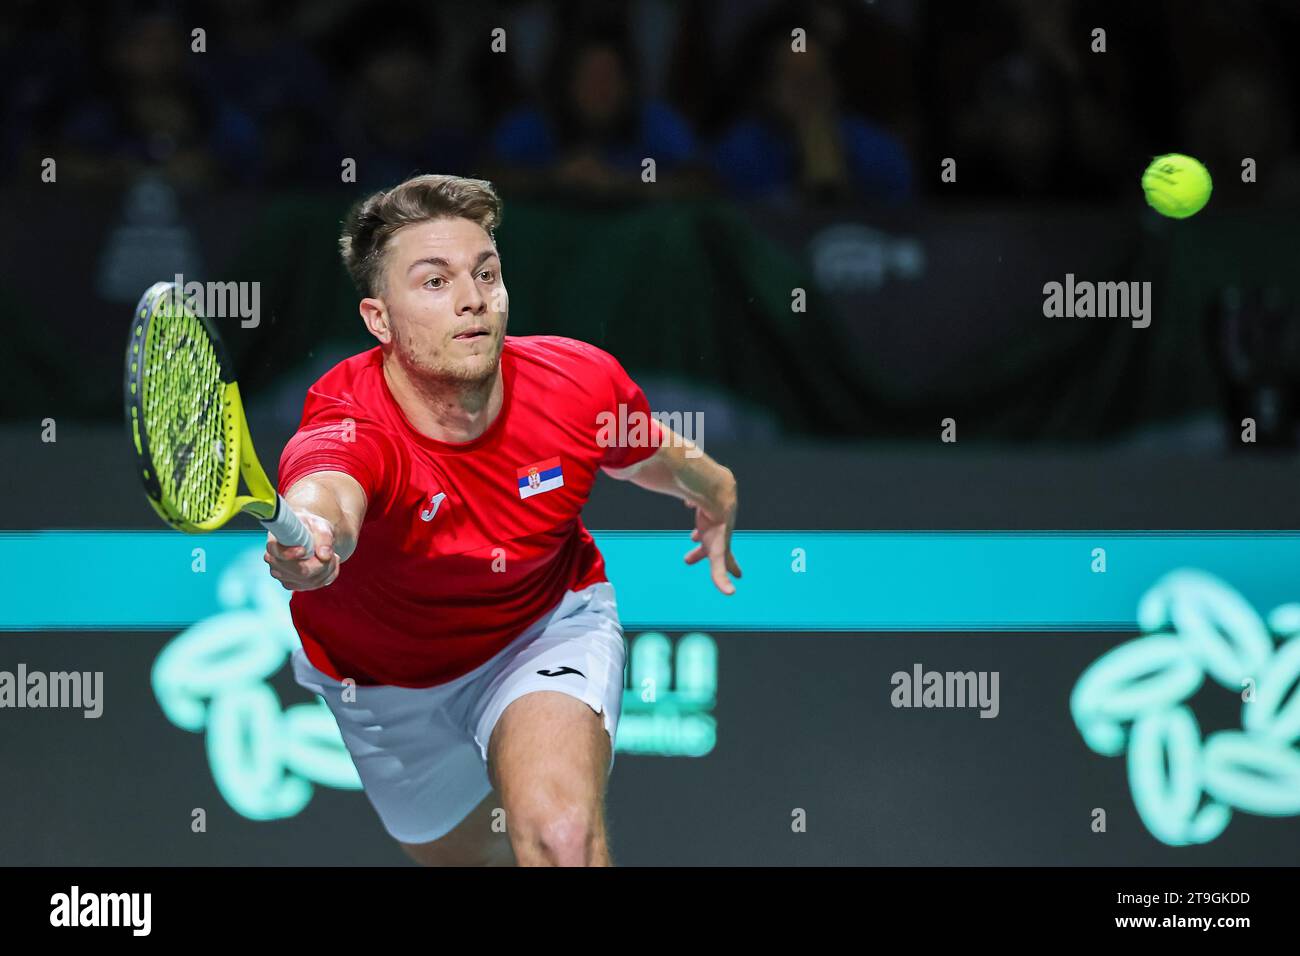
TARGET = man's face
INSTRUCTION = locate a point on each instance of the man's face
(444, 302)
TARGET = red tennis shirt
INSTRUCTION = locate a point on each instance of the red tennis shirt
(464, 544)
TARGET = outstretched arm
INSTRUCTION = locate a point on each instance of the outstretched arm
(681, 469)
(332, 504)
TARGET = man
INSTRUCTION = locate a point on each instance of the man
(470, 649)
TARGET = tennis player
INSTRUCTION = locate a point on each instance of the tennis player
(454, 612)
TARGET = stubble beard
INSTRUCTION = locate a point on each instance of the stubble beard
(435, 374)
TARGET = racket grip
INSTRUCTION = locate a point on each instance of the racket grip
(285, 526)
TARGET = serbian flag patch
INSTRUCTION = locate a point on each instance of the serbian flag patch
(543, 476)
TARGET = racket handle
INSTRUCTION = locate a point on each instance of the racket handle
(285, 526)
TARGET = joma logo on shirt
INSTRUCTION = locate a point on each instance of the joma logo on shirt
(434, 503)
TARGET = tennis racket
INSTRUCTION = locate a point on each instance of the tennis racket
(187, 425)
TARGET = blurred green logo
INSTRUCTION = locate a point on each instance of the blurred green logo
(1134, 700)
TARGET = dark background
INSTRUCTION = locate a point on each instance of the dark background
(776, 171)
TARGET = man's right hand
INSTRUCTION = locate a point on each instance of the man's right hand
(300, 569)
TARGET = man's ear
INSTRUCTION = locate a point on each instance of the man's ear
(375, 314)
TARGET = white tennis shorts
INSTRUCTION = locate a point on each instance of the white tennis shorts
(421, 753)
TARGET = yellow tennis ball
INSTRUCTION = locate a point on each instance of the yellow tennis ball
(1176, 185)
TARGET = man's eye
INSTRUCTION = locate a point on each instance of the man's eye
(437, 279)
(487, 275)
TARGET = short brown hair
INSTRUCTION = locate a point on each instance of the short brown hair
(372, 222)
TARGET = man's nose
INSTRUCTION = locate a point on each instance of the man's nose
(470, 299)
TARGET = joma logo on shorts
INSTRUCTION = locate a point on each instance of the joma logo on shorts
(561, 671)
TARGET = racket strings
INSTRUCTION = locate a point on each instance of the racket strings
(182, 401)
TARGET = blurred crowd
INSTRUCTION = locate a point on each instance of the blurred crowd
(879, 93)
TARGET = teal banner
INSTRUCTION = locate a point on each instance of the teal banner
(793, 580)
